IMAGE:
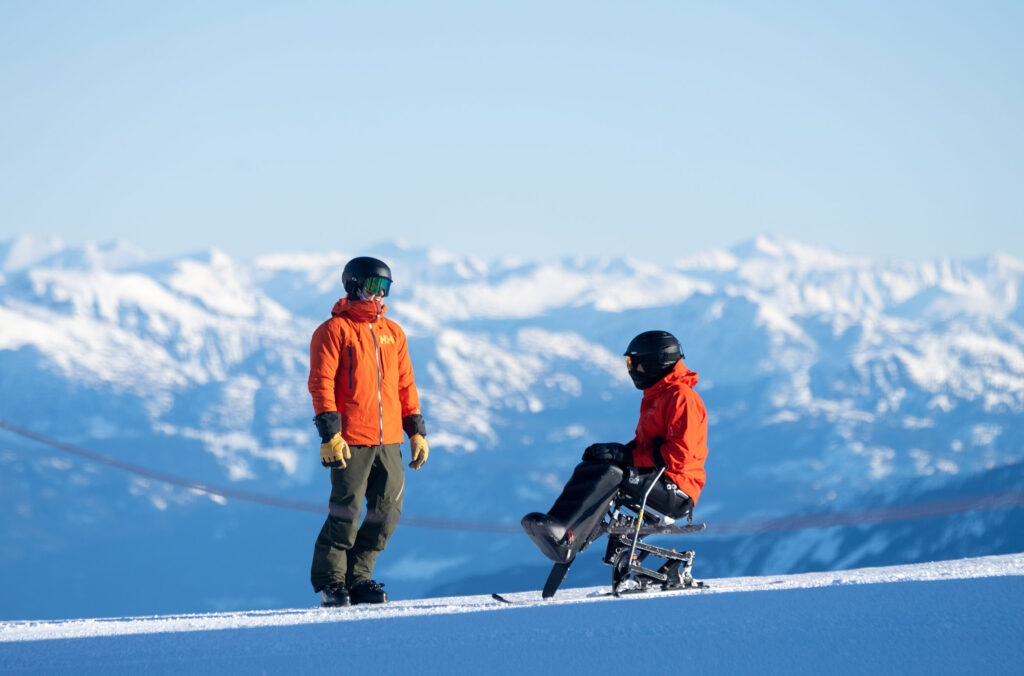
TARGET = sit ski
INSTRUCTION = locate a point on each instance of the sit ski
(658, 475)
(627, 520)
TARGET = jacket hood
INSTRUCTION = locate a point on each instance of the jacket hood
(358, 310)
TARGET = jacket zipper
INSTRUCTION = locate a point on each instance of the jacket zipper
(380, 403)
(351, 366)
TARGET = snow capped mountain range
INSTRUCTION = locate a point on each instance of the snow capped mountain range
(830, 382)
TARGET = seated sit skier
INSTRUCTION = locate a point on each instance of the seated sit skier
(671, 434)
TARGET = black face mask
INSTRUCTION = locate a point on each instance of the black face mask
(652, 373)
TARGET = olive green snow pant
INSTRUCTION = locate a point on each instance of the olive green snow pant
(345, 551)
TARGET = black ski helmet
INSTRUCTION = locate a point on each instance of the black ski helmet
(657, 352)
(358, 270)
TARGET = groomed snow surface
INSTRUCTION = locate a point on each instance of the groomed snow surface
(961, 616)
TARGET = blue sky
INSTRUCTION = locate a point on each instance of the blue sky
(653, 129)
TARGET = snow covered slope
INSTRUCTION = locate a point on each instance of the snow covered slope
(832, 383)
(927, 618)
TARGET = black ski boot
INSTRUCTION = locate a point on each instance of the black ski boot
(368, 591)
(551, 537)
(334, 596)
(571, 523)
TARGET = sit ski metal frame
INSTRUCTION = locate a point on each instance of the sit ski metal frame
(626, 551)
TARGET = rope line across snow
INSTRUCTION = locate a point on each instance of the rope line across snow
(238, 494)
(884, 514)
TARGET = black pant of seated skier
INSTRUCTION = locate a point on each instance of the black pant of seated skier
(671, 434)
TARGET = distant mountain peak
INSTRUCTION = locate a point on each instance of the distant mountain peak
(1006, 263)
(25, 251)
(52, 252)
(798, 254)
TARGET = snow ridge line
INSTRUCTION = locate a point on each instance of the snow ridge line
(14, 631)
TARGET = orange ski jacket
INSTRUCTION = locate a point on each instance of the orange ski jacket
(359, 366)
(672, 411)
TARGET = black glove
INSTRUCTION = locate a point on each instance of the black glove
(413, 424)
(327, 425)
(608, 452)
(656, 456)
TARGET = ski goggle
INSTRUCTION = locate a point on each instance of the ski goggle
(375, 286)
(638, 362)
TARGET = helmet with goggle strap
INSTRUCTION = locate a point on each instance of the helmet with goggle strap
(371, 275)
(650, 356)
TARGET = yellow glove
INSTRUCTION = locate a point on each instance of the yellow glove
(335, 452)
(420, 450)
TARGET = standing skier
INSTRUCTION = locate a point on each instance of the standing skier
(671, 434)
(364, 396)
